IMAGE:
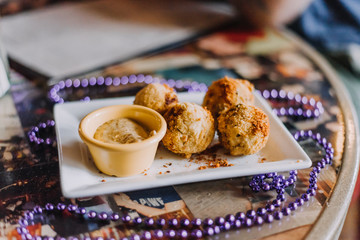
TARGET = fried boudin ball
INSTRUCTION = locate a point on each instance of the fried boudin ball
(156, 96)
(243, 129)
(190, 129)
(226, 93)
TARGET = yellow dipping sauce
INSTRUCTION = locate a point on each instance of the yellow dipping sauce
(122, 130)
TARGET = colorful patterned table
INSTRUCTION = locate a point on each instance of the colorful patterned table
(270, 59)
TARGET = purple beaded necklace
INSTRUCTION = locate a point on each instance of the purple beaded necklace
(195, 228)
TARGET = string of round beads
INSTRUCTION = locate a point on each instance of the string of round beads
(307, 108)
(197, 228)
(54, 92)
(35, 132)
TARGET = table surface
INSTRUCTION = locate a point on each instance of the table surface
(270, 59)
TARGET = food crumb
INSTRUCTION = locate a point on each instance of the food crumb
(103, 180)
(262, 160)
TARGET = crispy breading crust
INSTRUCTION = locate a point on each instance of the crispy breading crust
(227, 92)
(243, 129)
(190, 129)
(156, 96)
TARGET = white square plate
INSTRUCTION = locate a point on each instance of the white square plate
(80, 177)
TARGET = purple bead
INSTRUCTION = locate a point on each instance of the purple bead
(291, 111)
(161, 222)
(182, 233)
(269, 175)
(299, 201)
(103, 216)
(251, 213)
(196, 234)
(158, 233)
(258, 220)
(81, 211)
(38, 209)
(313, 174)
(305, 197)
(196, 222)
(124, 80)
(298, 98)
(116, 81)
(240, 215)
(148, 79)
(140, 78)
(217, 229)
(270, 207)
(282, 94)
(237, 223)
(219, 220)
(311, 191)
(274, 93)
(282, 111)
(316, 169)
(71, 208)
(286, 211)
(68, 83)
(256, 188)
(29, 215)
(293, 206)
(230, 218)
(276, 202)
(281, 197)
(278, 215)
(114, 217)
(170, 233)
(26, 236)
(92, 214)
(126, 218)
(135, 237)
(149, 222)
(313, 186)
(327, 160)
(179, 84)
(132, 79)
(266, 94)
(173, 222)
(280, 191)
(313, 180)
(22, 230)
(185, 222)
(269, 218)
(226, 226)
(92, 81)
(261, 211)
(146, 235)
(100, 81)
(61, 84)
(61, 206)
(265, 187)
(209, 231)
(290, 95)
(137, 221)
(84, 82)
(108, 81)
(248, 222)
(208, 222)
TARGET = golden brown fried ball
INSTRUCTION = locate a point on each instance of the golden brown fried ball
(190, 129)
(156, 96)
(226, 93)
(243, 129)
